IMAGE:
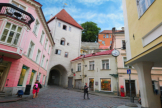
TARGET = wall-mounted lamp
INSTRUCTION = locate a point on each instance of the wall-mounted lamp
(83, 75)
(1, 59)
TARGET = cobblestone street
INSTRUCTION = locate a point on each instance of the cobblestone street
(56, 97)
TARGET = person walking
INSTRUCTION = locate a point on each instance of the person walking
(86, 91)
(39, 86)
(35, 88)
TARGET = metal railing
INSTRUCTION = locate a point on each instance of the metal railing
(16, 13)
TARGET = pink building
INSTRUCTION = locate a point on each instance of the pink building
(25, 45)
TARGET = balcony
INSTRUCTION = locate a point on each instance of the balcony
(14, 12)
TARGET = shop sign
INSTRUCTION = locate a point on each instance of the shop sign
(96, 83)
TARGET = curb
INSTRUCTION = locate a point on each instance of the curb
(11, 100)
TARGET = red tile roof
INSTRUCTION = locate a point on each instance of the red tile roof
(64, 16)
(110, 31)
(108, 52)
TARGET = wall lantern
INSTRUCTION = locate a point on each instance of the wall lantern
(1, 59)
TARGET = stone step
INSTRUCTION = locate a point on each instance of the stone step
(2, 94)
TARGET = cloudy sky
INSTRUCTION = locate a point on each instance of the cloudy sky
(106, 13)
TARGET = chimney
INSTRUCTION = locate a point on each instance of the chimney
(122, 28)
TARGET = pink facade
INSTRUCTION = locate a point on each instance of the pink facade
(19, 55)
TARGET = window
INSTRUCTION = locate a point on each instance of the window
(59, 24)
(22, 76)
(66, 54)
(46, 64)
(105, 64)
(103, 36)
(49, 49)
(79, 67)
(68, 44)
(42, 37)
(105, 84)
(32, 77)
(110, 36)
(42, 62)
(143, 5)
(38, 56)
(69, 28)
(62, 42)
(103, 42)
(39, 76)
(123, 44)
(45, 45)
(110, 42)
(36, 27)
(64, 27)
(58, 52)
(91, 65)
(107, 36)
(31, 49)
(125, 66)
(11, 34)
(43, 80)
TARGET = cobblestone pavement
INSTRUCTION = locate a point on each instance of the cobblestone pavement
(56, 97)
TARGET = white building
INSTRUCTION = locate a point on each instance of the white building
(96, 70)
(66, 33)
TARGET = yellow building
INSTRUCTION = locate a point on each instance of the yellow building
(143, 35)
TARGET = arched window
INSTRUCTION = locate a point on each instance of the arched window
(62, 41)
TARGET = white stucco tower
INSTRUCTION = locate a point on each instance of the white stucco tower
(66, 33)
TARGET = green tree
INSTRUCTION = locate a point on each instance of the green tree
(90, 32)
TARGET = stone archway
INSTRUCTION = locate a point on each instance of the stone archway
(58, 76)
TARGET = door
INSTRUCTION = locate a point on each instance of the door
(91, 84)
(70, 80)
(2, 77)
(133, 88)
(78, 84)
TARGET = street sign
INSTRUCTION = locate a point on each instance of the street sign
(128, 71)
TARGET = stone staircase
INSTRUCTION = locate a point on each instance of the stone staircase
(2, 94)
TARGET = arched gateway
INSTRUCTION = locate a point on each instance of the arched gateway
(58, 76)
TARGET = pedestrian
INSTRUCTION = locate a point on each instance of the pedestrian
(35, 88)
(86, 91)
(20, 93)
(39, 86)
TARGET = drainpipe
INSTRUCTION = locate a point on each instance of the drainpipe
(83, 71)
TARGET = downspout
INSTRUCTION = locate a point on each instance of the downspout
(83, 71)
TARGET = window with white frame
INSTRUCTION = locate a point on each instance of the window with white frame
(143, 5)
(107, 36)
(79, 67)
(45, 45)
(69, 28)
(30, 49)
(49, 49)
(123, 44)
(110, 36)
(62, 41)
(38, 56)
(46, 64)
(36, 27)
(66, 54)
(59, 24)
(58, 52)
(105, 64)
(125, 66)
(11, 34)
(91, 65)
(43, 80)
(42, 37)
(103, 42)
(110, 42)
(42, 62)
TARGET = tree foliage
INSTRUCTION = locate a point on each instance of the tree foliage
(90, 32)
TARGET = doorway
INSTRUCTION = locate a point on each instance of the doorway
(78, 83)
(91, 84)
(70, 81)
(133, 88)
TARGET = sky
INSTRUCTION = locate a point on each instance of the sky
(105, 13)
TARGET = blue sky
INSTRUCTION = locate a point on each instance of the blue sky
(106, 13)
